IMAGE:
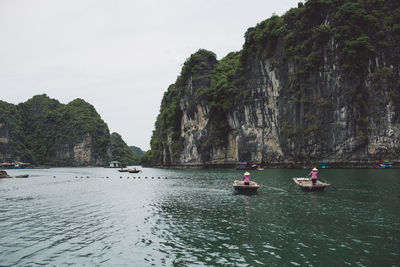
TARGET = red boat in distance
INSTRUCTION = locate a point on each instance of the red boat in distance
(134, 170)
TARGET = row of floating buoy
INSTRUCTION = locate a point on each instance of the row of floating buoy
(134, 177)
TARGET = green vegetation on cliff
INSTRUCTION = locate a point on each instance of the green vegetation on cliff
(221, 95)
(10, 128)
(137, 150)
(122, 152)
(167, 126)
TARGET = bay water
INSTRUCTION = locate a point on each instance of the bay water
(193, 217)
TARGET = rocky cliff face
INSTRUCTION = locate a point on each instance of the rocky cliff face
(80, 154)
(10, 132)
(319, 84)
(4, 140)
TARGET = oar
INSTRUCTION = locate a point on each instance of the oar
(219, 186)
(294, 188)
(274, 188)
(324, 180)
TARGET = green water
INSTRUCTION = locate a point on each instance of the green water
(188, 217)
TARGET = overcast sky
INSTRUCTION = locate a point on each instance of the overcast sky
(118, 55)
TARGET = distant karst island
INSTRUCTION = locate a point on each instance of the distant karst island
(43, 131)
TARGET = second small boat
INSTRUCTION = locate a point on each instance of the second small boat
(307, 185)
(134, 170)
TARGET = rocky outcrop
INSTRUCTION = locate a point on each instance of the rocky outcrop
(3, 140)
(10, 134)
(306, 90)
(79, 154)
(3, 133)
(82, 151)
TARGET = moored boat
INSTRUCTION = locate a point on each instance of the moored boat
(22, 176)
(385, 165)
(248, 166)
(134, 170)
(307, 185)
(3, 174)
(243, 188)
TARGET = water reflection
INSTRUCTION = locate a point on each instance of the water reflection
(314, 200)
(246, 199)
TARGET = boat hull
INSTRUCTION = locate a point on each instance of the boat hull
(307, 185)
(240, 187)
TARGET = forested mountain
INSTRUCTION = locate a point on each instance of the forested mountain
(122, 152)
(44, 131)
(318, 84)
(137, 150)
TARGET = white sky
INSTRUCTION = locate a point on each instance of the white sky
(118, 55)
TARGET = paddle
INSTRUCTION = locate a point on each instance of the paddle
(325, 181)
(274, 188)
(293, 188)
(219, 186)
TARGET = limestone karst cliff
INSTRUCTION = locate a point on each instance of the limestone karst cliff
(318, 84)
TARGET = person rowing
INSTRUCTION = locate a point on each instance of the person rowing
(314, 175)
(246, 178)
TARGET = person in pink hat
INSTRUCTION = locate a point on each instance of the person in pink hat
(246, 178)
(314, 175)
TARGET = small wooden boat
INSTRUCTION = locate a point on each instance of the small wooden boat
(22, 176)
(133, 171)
(123, 170)
(243, 188)
(307, 185)
(3, 174)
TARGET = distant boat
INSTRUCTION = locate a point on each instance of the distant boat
(247, 167)
(133, 170)
(242, 188)
(123, 170)
(385, 165)
(14, 165)
(324, 166)
(307, 185)
(22, 176)
(3, 174)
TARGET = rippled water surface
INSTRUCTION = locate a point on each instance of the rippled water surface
(100, 217)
